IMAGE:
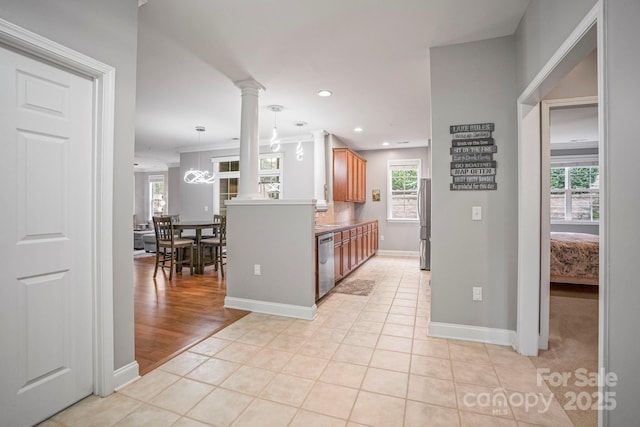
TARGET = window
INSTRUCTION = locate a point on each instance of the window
(157, 197)
(403, 178)
(227, 171)
(575, 193)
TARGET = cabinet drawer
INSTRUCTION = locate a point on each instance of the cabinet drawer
(354, 232)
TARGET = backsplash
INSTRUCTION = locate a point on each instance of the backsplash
(336, 212)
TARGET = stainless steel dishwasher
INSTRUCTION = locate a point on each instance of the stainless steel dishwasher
(326, 269)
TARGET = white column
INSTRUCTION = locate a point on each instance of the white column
(249, 150)
(319, 170)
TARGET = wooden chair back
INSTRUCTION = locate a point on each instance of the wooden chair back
(164, 228)
(222, 229)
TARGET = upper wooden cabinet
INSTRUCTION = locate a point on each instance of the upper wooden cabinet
(349, 176)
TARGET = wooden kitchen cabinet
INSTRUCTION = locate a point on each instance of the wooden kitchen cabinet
(352, 246)
(346, 253)
(349, 176)
(337, 256)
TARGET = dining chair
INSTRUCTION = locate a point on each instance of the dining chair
(170, 247)
(217, 243)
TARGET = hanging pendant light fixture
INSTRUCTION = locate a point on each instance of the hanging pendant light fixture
(198, 176)
(299, 152)
(274, 143)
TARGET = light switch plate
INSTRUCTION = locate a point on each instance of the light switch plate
(476, 213)
(256, 269)
(477, 293)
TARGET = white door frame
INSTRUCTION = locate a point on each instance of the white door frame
(103, 77)
(545, 206)
(579, 43)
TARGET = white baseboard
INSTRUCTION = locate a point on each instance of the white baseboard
(276, 308)
(125, 375)
(398, 253)
(472, 333)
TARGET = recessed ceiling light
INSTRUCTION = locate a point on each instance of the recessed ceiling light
(325, 92)
(385, 143)
(358, 129)
(300, 123)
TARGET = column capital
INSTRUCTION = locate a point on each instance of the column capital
(249, 85)
(319, 133)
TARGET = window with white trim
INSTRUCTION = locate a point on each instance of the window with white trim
(575, 191)
(157, 196)
(227, 172)
(403, 180)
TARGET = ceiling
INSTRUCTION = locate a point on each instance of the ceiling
(373, 56)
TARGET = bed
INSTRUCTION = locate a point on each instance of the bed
(574, 258)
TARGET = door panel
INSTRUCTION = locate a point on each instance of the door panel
(46, 315)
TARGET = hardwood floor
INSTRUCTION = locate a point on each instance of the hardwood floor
(172, 316)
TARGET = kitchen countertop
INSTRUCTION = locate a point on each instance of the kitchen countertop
(339, 226)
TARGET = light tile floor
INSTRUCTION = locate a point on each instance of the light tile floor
(364, 361)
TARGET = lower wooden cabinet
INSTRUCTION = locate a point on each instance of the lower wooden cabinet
(352, 247)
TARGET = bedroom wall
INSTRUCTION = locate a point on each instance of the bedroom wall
(474, 83)
(106, 31)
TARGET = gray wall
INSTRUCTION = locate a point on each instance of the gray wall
(543, 28)
(106, 31)
(297, 178)
(398, 236)
(280, 238)
(621, 231)
(173, 198)
(538, 36)
(474, 83)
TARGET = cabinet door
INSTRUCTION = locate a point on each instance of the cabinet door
(366, 241)
(353, 245)
(337, 260)
(346, 255)
(352, 177)
(361, 179)
(340, 173)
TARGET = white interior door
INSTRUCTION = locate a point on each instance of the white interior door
(46, 238)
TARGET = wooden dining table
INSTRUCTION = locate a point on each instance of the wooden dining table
(198, 226)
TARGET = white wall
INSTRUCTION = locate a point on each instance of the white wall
(397, 236)
(106, 31)
(474, 83)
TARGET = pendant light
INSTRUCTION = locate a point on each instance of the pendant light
(198, 176)
(299, 152)
(274, 143)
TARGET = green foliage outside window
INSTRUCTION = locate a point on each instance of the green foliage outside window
(404, 180)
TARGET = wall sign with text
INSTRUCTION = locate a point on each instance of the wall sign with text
(472, 164)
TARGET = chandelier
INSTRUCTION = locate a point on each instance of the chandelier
(274, 143)
(198, 176)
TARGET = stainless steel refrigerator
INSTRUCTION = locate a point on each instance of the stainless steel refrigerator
(424, 212)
